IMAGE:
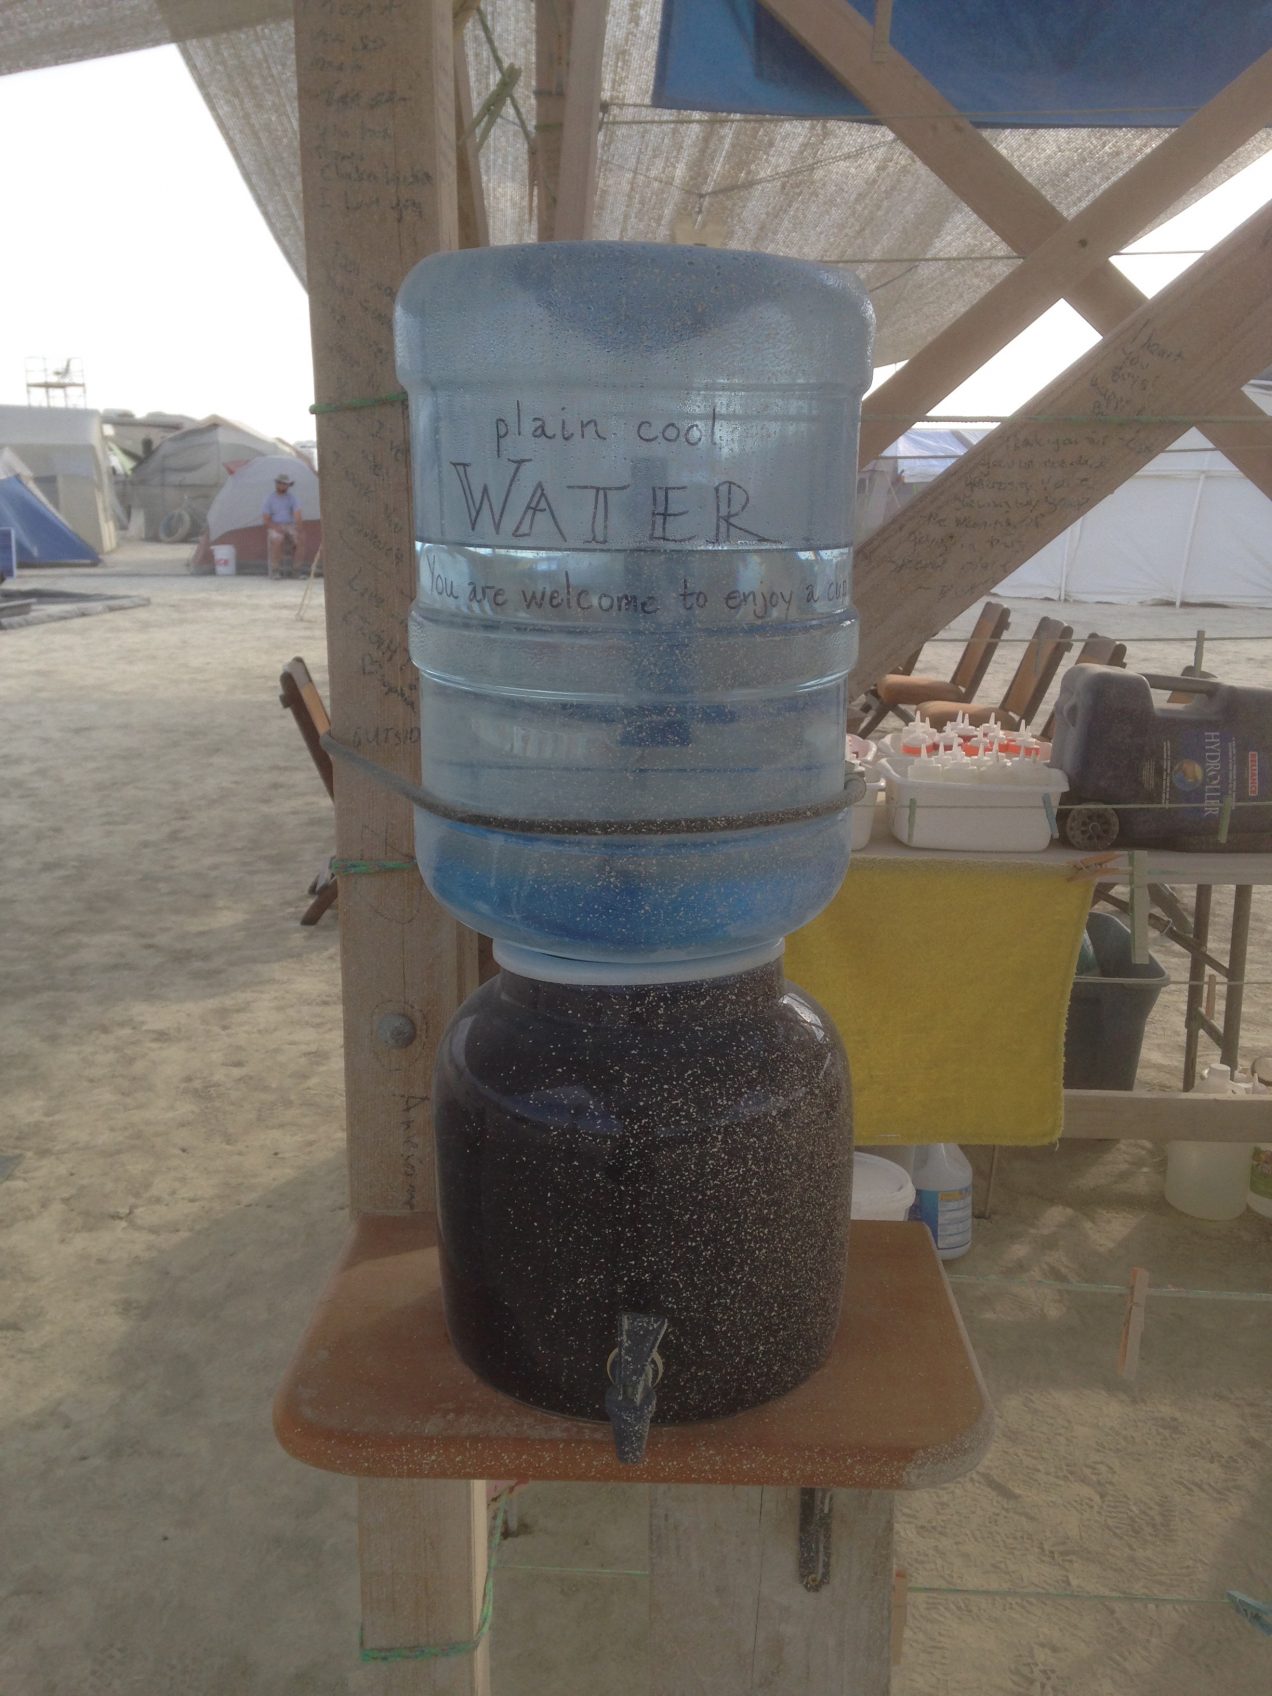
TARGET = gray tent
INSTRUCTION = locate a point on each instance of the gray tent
(175, 484)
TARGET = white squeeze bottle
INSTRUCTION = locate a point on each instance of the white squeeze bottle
(1209, 1180)
(943, 1196)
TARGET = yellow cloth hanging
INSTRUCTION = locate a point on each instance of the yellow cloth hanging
(949, 983)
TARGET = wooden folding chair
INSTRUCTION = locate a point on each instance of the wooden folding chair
(900, 691)
(1022, 697)
(299, 694)
(1096, 650)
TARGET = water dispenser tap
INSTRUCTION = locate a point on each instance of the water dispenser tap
(634, 1368)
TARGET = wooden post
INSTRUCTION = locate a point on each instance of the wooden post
(1179, 355)
(473, 229)
(988, 183)
(728, 1612)
(1144, 192)
(377, 134)
(576, 180)
(553, 20)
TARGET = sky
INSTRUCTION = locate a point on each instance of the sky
(142, 252)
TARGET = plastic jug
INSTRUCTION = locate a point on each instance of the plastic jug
(1148, 773)
(1209, 1180)
(634, 481)
(943, 1196)
(676, 1151)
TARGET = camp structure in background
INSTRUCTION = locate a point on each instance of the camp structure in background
(65, 453)
(234, 517)
(42, 535)
(140, 436)
(174, 486)
(1187, 529)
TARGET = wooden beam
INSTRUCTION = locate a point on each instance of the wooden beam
(423, 1548)
(473, 229)
(985, 180)
(576, 181)
(1178, 356)
(1140, 1116)
(378, 160)
(553, 21)
(377, 143)
(728, 1612)
(1144, 192)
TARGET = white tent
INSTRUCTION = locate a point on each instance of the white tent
(234, 516)
(1186, 529)
(65, 452)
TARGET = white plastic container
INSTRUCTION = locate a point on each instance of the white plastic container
(943, 1196)
(1209, 1180)
(880, 1189)
(974, 816)
(863, 811)
(224, 560)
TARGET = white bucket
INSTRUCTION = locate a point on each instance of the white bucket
(224, 560)
(880, 1188)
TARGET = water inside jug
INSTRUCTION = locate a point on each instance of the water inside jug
(635, 471)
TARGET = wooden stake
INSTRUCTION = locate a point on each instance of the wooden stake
(991, 186)
(473, 229)
(1140, 903)
(1133, 1324)
(1027, 482)
(576, 182)
(552, 24)
(900, 1608)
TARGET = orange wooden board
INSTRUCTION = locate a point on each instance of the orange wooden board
(377, 1391)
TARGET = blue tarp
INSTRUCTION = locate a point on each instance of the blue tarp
(43, 537)
(1005, 63)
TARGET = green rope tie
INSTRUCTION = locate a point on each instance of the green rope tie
(394, 399)
(352, 868)
(449, 1651)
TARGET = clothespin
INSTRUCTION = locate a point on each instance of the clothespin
(1133, 1323)
(1225, 818)
(911, 810)
(1139, 907)
(1050, 809)
(900, 1603)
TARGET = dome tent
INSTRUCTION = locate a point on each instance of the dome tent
(234, 517)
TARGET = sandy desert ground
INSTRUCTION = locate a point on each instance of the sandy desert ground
(172, 1131)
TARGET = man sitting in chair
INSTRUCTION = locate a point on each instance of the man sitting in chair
(282, 516)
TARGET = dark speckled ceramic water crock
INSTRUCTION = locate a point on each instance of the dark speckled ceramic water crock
(681, 1149)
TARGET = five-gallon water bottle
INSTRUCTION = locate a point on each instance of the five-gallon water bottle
(634, 478)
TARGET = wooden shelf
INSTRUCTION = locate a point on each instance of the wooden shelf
(377, 1391)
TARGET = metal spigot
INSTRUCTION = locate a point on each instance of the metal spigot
(635, 1368)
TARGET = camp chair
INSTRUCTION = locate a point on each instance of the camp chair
(867, 711)
(1023, 696)
(900, 691)
(299, 694)
(1096, 650)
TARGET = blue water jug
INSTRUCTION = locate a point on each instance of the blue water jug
(634, 478)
